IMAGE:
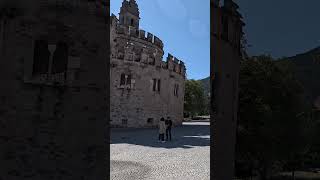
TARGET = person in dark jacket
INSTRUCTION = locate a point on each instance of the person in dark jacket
(168, 123)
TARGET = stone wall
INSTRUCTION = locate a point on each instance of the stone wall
(53, 126)
(138, 104)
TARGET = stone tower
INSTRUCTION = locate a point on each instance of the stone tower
(129, 14)
(143, 86)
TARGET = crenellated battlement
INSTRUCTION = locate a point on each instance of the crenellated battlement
(138, 50)
(171, 64)
(176, 65)
(135, 33)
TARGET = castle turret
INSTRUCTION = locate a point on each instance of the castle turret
(129, 14)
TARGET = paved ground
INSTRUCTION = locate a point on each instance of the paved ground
(137, 154)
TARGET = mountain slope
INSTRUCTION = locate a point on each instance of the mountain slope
(307, 69)
(206, 85)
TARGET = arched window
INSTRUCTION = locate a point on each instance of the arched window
(132, 21)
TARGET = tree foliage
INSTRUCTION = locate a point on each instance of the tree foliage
(195, 101)
(272, 128)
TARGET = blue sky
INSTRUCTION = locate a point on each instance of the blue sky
(281, 28)
(184, 28)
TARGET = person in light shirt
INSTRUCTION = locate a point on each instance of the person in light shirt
(162, 129)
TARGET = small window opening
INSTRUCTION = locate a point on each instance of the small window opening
(176, 90)
(154, 84)
(124, 121)
(159, 85)
(150, 120)
(123, 79)
(129, 80)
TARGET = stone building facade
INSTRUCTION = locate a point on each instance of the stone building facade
(53, 98)
(143, 87)
(226, 34)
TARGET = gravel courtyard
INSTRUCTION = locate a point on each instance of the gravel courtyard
(137, 154)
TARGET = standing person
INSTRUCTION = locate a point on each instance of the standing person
(168, 128)
(162, 129)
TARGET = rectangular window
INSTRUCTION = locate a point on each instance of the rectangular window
(154, 84)
(176, 89)
(123, 79)
(129, 80)
(126, 80)
(159, 85)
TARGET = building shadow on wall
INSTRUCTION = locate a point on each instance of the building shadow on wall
(188, 135)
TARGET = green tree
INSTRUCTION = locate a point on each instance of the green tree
(195, 102)
(271, 129)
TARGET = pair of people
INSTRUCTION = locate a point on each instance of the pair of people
(165, 127)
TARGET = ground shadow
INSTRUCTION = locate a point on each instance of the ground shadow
(188, 135)
(128, 170)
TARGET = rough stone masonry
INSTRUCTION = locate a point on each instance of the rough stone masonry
(53, 70)
(143, 88)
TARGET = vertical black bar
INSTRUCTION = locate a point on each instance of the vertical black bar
(224, 72)
(107, 130)
(54, 130)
